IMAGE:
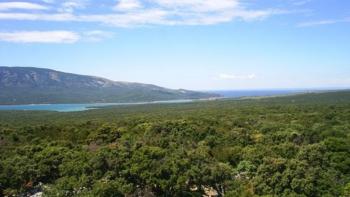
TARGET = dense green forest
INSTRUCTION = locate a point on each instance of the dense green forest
(283, 146)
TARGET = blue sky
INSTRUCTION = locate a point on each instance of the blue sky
(193, 44)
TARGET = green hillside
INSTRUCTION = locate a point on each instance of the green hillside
(283, 146)
(23, 85)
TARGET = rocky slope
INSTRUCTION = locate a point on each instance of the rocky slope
(27, 85)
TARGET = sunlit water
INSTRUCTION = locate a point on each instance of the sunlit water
(83, 107)
(77, 107)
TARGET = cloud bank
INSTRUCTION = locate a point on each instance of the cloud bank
(124, 13)
(66, 37)
(323, 22)
(120, 14)
(5, 6)
(236, 77)
(40, 37)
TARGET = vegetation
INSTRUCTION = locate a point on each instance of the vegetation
(287, 146)
(26, 85)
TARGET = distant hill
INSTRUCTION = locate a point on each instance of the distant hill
(316, 97)
(27, 85)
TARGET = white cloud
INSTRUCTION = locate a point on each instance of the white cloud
(300, 2)
(199, 5)
(127, 5)
(323, 22)
(152, 12)
(48, 1)
(96, 35)
(40, 37)
(119, 20)
(54, 36)
(146, 17)
(69, 6)
(21, 5)
(38, 17)
(236, 77)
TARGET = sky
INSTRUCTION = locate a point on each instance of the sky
(191, 44)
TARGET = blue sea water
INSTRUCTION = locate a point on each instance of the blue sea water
(77, 107)
(83, 107)
(48, 107)
(256, 93)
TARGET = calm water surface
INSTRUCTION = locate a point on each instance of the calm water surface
(77, 107)
(83, 107)
(255, 93)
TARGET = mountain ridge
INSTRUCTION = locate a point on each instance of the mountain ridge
(31, 85)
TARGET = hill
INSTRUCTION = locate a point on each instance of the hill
(27, 85)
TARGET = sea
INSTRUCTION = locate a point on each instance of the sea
(89, 106)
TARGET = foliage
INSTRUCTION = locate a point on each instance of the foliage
(264, 147)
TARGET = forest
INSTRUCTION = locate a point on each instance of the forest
(280, 146)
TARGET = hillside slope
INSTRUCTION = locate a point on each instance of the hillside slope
(27, 85)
